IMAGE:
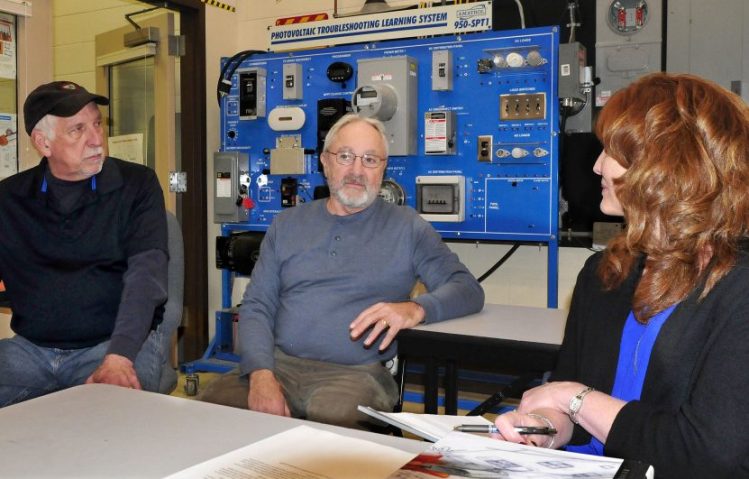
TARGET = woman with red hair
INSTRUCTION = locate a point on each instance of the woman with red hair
(654, 361)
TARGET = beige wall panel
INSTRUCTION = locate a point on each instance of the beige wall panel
(35, 35)
(73, 59)
(75, 7)
(222, 35)
(266, 9)
(254, 35)
(76, 24)
(259, 9)
(86, 79)
(72, 29)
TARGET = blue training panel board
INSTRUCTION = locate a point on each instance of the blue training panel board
(479, 111)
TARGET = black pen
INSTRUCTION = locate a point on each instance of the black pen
(490, 428)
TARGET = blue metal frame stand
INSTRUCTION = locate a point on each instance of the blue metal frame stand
(219, 357)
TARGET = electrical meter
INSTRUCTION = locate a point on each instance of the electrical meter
(375, 101)
(392, 192)
(626, 17)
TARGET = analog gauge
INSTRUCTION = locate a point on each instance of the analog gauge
(391, 192)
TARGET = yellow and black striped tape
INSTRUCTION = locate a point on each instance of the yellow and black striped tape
(216, 3)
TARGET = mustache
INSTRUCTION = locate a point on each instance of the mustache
(358, 180)
(99, 150)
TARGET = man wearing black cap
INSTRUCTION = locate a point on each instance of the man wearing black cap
(83, 254)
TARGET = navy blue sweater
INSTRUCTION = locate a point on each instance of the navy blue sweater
(89, 271)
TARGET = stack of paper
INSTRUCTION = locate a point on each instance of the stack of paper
(306, 452)
(461, 455)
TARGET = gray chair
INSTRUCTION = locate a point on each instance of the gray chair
(174, 303)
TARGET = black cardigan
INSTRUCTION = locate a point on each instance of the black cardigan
(692, 419)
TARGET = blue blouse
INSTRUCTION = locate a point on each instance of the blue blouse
(634, 355)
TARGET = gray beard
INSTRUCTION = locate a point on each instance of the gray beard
(354, 201)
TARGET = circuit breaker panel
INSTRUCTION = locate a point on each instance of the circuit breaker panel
(471, 120)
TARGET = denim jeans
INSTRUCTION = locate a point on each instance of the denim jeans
(28, 371)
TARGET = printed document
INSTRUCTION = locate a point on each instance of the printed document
(461, 455)
(302, 453)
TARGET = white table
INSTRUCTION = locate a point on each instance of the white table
(500, 337)
(111, 432)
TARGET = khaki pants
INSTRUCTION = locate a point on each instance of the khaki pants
(316, 390)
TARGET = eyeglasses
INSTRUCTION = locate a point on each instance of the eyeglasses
(346, 158)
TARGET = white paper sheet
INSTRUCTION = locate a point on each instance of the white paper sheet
(127, 147)
(431, 427)
(302, 453)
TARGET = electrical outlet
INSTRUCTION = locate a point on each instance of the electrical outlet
(524, 106)
(484, 148)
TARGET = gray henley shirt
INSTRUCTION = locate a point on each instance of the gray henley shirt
(317, 271)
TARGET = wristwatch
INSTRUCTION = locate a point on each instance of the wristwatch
(577, 402)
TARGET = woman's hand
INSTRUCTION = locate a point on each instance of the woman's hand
(507, 422)
(552, 395)
(596, 414)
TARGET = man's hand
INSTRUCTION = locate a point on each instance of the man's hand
(117, 370)
(266, 394)
(386, 317)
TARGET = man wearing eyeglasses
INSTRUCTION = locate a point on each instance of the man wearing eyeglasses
(83, 254)
(331, 289)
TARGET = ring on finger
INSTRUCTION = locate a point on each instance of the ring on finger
(385, 323)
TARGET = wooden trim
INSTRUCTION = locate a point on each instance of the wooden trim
(192, 205)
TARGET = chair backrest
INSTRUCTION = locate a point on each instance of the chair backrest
(174, 304)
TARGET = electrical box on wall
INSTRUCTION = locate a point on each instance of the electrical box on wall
(471, 121)
(442, 70)
(439, 133)
(575, 90)
(251, 93)
(292, 81)
(227, 199)
(628, 43)
(388, 91)
(441, 198)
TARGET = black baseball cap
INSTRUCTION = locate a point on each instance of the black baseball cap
(59, 98)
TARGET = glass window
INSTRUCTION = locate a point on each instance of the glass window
(133, 81)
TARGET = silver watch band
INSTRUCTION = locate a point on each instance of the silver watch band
(576, 403)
